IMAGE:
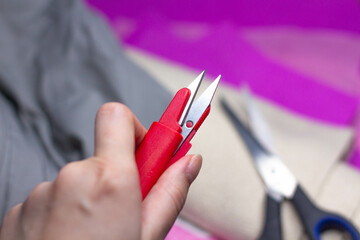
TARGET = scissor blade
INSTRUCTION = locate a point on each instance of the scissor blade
(257, 123)
(254, 146)
(193, 87)
(278, 180)
(198, 108)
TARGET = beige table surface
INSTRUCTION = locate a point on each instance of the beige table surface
(227, 199)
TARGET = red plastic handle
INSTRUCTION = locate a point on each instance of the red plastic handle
(160, 143)
(154, 153)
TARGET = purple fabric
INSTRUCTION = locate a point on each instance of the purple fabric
(343, 15)
(354, 155)
(329, 56)
(354, 158)
(178, 231)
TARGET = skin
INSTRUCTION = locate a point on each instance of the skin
(99, 197)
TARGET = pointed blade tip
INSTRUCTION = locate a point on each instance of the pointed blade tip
(193, 87)
(212, 88)
(202, 73)
(216, 82)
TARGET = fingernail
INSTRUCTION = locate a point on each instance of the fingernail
(193, 167)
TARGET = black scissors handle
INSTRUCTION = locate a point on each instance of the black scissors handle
(314, 220)
(272, 226)
(317, 221)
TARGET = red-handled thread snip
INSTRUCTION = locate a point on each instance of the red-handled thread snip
(169, 139)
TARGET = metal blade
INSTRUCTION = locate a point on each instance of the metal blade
(279, 181)
(194, 87)
(257, 123)
(198, 108)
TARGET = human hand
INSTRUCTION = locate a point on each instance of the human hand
(99, 197)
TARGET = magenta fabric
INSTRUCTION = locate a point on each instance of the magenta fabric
(329, 56)
(179, 232)
(343, 14)
(354, 155)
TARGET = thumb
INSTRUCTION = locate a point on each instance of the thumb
(166, 199)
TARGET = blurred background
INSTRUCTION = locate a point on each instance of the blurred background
(59, 62)
(303, 55)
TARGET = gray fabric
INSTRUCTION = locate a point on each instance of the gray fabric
(58, 63)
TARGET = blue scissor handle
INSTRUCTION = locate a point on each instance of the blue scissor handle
(335, 222)
(317, 221)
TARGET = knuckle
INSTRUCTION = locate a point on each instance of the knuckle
(67, 176)
(13, 212)
(11, 218)
(103, 179)
(36, 197)
(110, 185)
(40, 189)
(113, 180)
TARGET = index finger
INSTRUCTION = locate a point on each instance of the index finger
(117, 133)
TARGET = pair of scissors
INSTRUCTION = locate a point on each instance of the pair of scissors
(169, 139)
(281, 184)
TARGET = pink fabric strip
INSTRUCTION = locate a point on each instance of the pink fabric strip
(179, 231)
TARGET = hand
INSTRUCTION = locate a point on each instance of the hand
(100, 198)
